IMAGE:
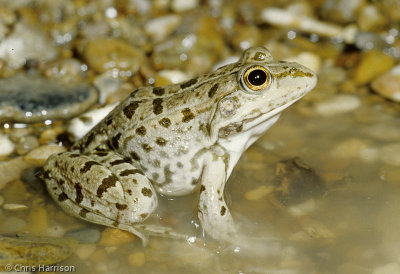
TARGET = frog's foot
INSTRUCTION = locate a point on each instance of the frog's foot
(102, 188)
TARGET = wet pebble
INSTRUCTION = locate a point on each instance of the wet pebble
(31, 251)
(184, 5)
(15, 207)
(349, 148)
(136, 259)
(258, 193)
(11, 225)
(159, 28)
(27, 41)
(84, 251)
(25, 144)
(39, 155)
(11, 170)
(106, 86)
(338, 104)
(124, 61)
(113, 236)
(6, 146)
(55, 231)
(388, 85)
(33, 98)
(372, 64)
(79, 126)
(86, 235)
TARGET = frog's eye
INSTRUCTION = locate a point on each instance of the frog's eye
(256, 78)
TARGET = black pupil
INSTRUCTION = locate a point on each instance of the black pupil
(257, 77)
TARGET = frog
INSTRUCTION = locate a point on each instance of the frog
(175, 140)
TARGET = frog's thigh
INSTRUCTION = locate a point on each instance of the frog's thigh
(102, 188)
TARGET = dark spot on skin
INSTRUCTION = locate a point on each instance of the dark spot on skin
(147, 192)
(115, 224)
(72, 168)
(121, 206)
(88, 165)
(218, 191)
(155, 176)
(83, 212)
(130, 109)
(213, 90)
(135, 156)
(187, 115)
(223, 210)
(165, 122)
(115, 141)
(107, 182)
(92, 203)
(202, 188)
(156, 163)
(188, 83)
(89, 139)
(109, 121)
(167, 174)
(129, 191)
(158, 91)
(74, 155)
(161, 141)
(79, 195)
(179, 164)
(146, 147)
(101, 153)
(144, 215)
(128, 172)
(157, 106)
(118, 162)
(141, 131)
(61, 182)
(62, 197)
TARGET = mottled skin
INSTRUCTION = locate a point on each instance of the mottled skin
(174, 140)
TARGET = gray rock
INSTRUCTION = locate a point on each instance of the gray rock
(86, 235)
(32, 98)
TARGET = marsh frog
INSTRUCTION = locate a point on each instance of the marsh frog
(174, 140)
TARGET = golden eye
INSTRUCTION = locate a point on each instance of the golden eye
(256, 78)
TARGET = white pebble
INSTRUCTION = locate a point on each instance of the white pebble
(308, 59)
(184, 5)
(15, 207)
(338, 104)
(106, 86)
(175, 76)
(79, 126)
(159, 28)
(6, 146)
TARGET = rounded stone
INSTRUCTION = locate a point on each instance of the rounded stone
(86, 235)
(32, 98)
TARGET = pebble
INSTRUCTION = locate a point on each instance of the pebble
(27, 41)
(113, 236)
(11, 170)
(106, 86)
(159, 28)
(25, 144)
(184, 5)
(258, 193)
(15, 207)
(84, 235)
(388, 85)
(55, 231)
(124, 60)
(38, 156)
(33, 251)
(349, 148)
(6, 145)
(37, 221)
(81, 125)
(390, 154)
(338, 104)
(11, 225)
(136, 259)
(342, 11)
(33, 98)
(372, 64)
(84, 251)
(370, 18)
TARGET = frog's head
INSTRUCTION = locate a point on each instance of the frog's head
(264, 88)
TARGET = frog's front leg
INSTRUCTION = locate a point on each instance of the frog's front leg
(100, 187)
(213, 212)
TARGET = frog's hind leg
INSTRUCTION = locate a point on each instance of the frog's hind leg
(101, 188)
